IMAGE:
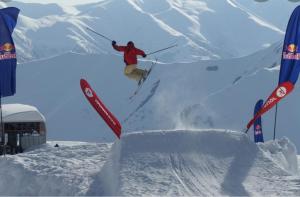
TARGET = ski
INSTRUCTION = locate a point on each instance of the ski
(142, 81)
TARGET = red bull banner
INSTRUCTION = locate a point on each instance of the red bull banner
(98, 105)
(290, 65)
(8, 59)
(258, 133)
(279, 93)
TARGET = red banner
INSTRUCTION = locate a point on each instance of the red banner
(98, 105)
(279, 93)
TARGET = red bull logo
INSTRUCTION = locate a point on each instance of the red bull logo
(290, 52)
(7, 47)
(292, 48)
(7, 52)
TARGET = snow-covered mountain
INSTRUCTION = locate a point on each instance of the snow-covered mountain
(160, 163)
(203, 29)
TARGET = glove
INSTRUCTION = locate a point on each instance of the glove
(144, 55)
(113, 42)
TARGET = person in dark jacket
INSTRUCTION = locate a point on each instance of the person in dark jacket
(130, 59)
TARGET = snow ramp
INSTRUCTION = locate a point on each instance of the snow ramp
(198, 162)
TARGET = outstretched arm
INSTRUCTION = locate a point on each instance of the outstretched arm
(140, 52)
(116, 47)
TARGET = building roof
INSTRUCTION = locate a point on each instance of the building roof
(21, 113)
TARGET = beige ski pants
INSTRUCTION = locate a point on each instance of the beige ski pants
(132, 72)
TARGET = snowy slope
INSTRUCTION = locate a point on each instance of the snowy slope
(66, 170)
(260, 11)
(203, 29)
(207, 162)
(44, 31)
(182, 162)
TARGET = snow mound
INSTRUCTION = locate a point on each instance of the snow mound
(66, 170)
(197, 162)
(283, 153)
(160, 163)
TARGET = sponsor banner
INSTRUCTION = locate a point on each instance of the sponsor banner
(258, 134)
(8, 61)
(290, 64)
(279, 93)
(98, 105)
(8, 56)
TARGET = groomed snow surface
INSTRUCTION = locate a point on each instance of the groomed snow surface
(180, 162)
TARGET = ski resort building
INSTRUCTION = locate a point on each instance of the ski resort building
(24, 127)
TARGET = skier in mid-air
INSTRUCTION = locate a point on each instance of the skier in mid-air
(130, 59)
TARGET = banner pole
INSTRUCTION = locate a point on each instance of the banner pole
(275, 122)
(2, 127)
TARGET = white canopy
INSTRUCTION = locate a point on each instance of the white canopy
(21, 113)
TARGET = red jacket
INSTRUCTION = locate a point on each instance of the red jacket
(130, 53)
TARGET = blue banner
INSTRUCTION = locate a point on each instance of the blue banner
(258, 134)
(290, 64)
(8, 60)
